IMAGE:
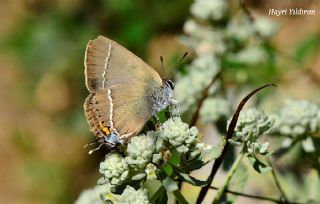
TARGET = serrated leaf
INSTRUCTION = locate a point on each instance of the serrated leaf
(258, 165)
(170, 184)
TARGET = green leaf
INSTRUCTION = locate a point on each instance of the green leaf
(234, 143)
(313, 185)
(170, 184)
(307, 47)
(193, 181)
(180, 197)
(168, 169)
(163, 198)
(159, 195)
(215, 152)
(154, 188)
(232, 63)
(193, 164)
(175, 158)
(258, 165)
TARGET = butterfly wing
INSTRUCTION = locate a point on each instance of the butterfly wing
(109, 66)
(107, 62)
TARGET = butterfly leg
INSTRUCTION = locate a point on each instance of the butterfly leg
(174, 110)
(172, 101)
(126, 136)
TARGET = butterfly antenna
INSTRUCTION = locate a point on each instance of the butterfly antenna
(177, 63)
(93, 150)
(162, 69)
(91, 143)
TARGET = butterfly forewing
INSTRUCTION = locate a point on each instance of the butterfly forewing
(109, 66)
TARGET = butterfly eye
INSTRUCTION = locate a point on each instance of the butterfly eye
(170, 83)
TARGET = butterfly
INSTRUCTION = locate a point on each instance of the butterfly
(125, 92)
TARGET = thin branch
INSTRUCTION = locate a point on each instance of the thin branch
(246, 10)
(205, 94)
(256, 196)
(230, 132)
(221, 192)
(276, 180)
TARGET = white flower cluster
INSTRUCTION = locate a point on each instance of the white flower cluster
(132, 196)
(178, 134)
(215, 33)
(214, 109)
(250, 55)
(140, 150)
(203, 39)
(114, 168)
(92, 196)
(213, 9)
(250, 126)
(189, 88)
(146, 153)
(240, 28)
(266, 27)
(299, 118)
(102, 194)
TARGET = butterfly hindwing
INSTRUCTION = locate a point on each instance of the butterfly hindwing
(96, 108)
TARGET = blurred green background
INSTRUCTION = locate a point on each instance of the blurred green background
(42, 124)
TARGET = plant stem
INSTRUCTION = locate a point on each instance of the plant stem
(232, 171)
(255, 196)
(205, 94)
(275, 178)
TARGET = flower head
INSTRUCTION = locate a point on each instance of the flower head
(213, 109)
(240, 28)
(265, 27)
(214, 9)
(250, 55)
(114, 168)
(202, 70)
(250, 126)
(132, 196)
(178, 134)
(151, 171)
(140, 150)
(92, 196)
(299, 118)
